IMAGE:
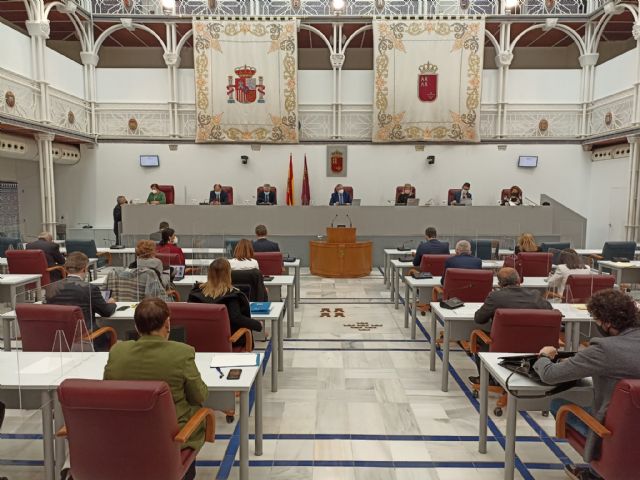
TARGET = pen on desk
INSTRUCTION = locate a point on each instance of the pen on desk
(220, 372)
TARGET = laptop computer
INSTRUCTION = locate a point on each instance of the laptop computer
(356, 202)
(413, 202)
(178, 271)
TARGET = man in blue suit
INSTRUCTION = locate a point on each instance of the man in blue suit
(339, 196)
(462, 259)
(432, 246)
(463, 194)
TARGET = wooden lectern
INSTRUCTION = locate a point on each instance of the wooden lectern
(341, 256)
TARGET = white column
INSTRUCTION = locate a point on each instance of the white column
(39, 32)
(172, 61)
(503, 60)
(47, 187)
(587, 62)
(636, 85)
(633, 212)
(90, 61)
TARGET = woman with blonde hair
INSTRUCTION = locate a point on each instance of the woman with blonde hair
(527, 243)
(146, 258)
(243, 256)
(218, 289)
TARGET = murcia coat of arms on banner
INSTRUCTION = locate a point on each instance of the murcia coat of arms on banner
(428, 82)
(245, 86)
(337, 161)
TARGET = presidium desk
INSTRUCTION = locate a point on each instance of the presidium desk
(340, 256)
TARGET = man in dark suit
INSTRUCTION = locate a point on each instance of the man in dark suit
(217, 196)
(266, 196)
(117, 217)
(463, 194)
(339, 196)
(51, 252)
(74, 290)
(462, 259)
(432, 246)
(157, 236)
(510, 295)
(262, 244)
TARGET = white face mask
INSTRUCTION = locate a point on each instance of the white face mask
(175, 240)
(340, 191)
(154, 191)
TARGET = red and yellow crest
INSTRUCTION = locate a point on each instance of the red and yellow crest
(428, 82)
(337, 161)
(246, 88)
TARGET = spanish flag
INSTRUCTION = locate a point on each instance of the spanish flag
(290, 182)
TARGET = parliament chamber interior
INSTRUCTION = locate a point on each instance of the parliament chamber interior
(319, 239)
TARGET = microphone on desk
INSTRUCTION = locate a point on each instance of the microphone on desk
(349, 218)
(404, 247)
(334, 219)
(454, 302)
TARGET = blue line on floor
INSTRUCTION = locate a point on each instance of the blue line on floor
(546, 438)
(352, 349)
(387, 464)
(402, 340)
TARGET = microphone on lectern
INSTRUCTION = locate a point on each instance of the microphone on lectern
(334, 219)
(349, 218)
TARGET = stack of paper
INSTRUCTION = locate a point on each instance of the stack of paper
(235, 360)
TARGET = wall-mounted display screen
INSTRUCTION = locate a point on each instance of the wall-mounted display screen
(149, 161)
(527, 161)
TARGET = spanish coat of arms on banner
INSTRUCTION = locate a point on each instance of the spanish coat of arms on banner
(427, 80)
(246, 81)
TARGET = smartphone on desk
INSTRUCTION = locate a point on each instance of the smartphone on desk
(123, 307)
(267, 278)
(234, 374)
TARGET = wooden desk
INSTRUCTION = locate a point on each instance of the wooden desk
(340, 260)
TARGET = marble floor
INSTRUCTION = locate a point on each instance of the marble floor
(356, 401)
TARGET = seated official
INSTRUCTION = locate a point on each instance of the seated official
(340, 196)
(266, 196)
(527, 243)
(262, 243)
(570, 263)
(157, 236)
(51, 252)
(514, 198)
(156, 197)
(612, 357)
(462, 259)
(407, 193)
(218, 289)
(463, 195)
(154, 357)
(217, 196)
(432, 246)
(509, 295)
(169, 244)
(243, 257)
(76, 291)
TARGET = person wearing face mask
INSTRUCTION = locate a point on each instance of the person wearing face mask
(169, 244)
(266, 196)
(217, 196)
(515, 197)
(463, 196)
(156, 197)
(340, 196)
(407, 193)
(612, 357)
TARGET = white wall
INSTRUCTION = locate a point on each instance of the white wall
(615, 75)
(543, 86)
(63, 73)
(16, 51)
(135, 85)
(27, 175)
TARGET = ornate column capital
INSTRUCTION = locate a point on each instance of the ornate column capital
(504, 58)
(38, 28)
(633, 139)
(635, 31)
(89, 58)
(47, 137)
(588, 59)
(337, 60)
(171, 59)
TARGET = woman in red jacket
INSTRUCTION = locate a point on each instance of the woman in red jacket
(168, 245)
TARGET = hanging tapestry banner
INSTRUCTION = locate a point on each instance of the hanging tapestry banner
(246, 81)
(427, 80)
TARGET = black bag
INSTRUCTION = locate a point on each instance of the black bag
(421, 275)
(523, 364)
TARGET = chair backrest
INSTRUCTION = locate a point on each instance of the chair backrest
(399, 191)
(7, 243)
(168, 259)
(88, 247)
(524, 330)
(611, 250)
(174, 258)
(28, 261)
(251, 283)
(40, 322)
(169, 193)
(580, 288)
(348, 190)
(229, 191)
(134, 285)
(274, 190)
(451, 195)
(270, 263)
(534, 264)
(433, 264)
(555, 248)
(469, 285)
(112, 424)
(206, 325)
(483, 249)
(620, 452)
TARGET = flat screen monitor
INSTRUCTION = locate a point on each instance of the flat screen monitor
(527, 161)
(149, 161)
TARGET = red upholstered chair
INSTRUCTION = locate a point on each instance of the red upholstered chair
(468, 285)
(619, 449)
(534, 264)
(270, 263)
(169, 193)
(399, 190)
(433, 264)
(229, 191)
(349, 190)
(580, 288)
(517, 331)
(451, 195)
(207, 327)
(39, 324)
(506, 192)
(274, 190)
(127, 430)
(32, 261)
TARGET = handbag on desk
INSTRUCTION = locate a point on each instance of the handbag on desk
(523, 364)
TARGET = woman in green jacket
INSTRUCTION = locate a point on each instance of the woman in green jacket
(156, 197)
